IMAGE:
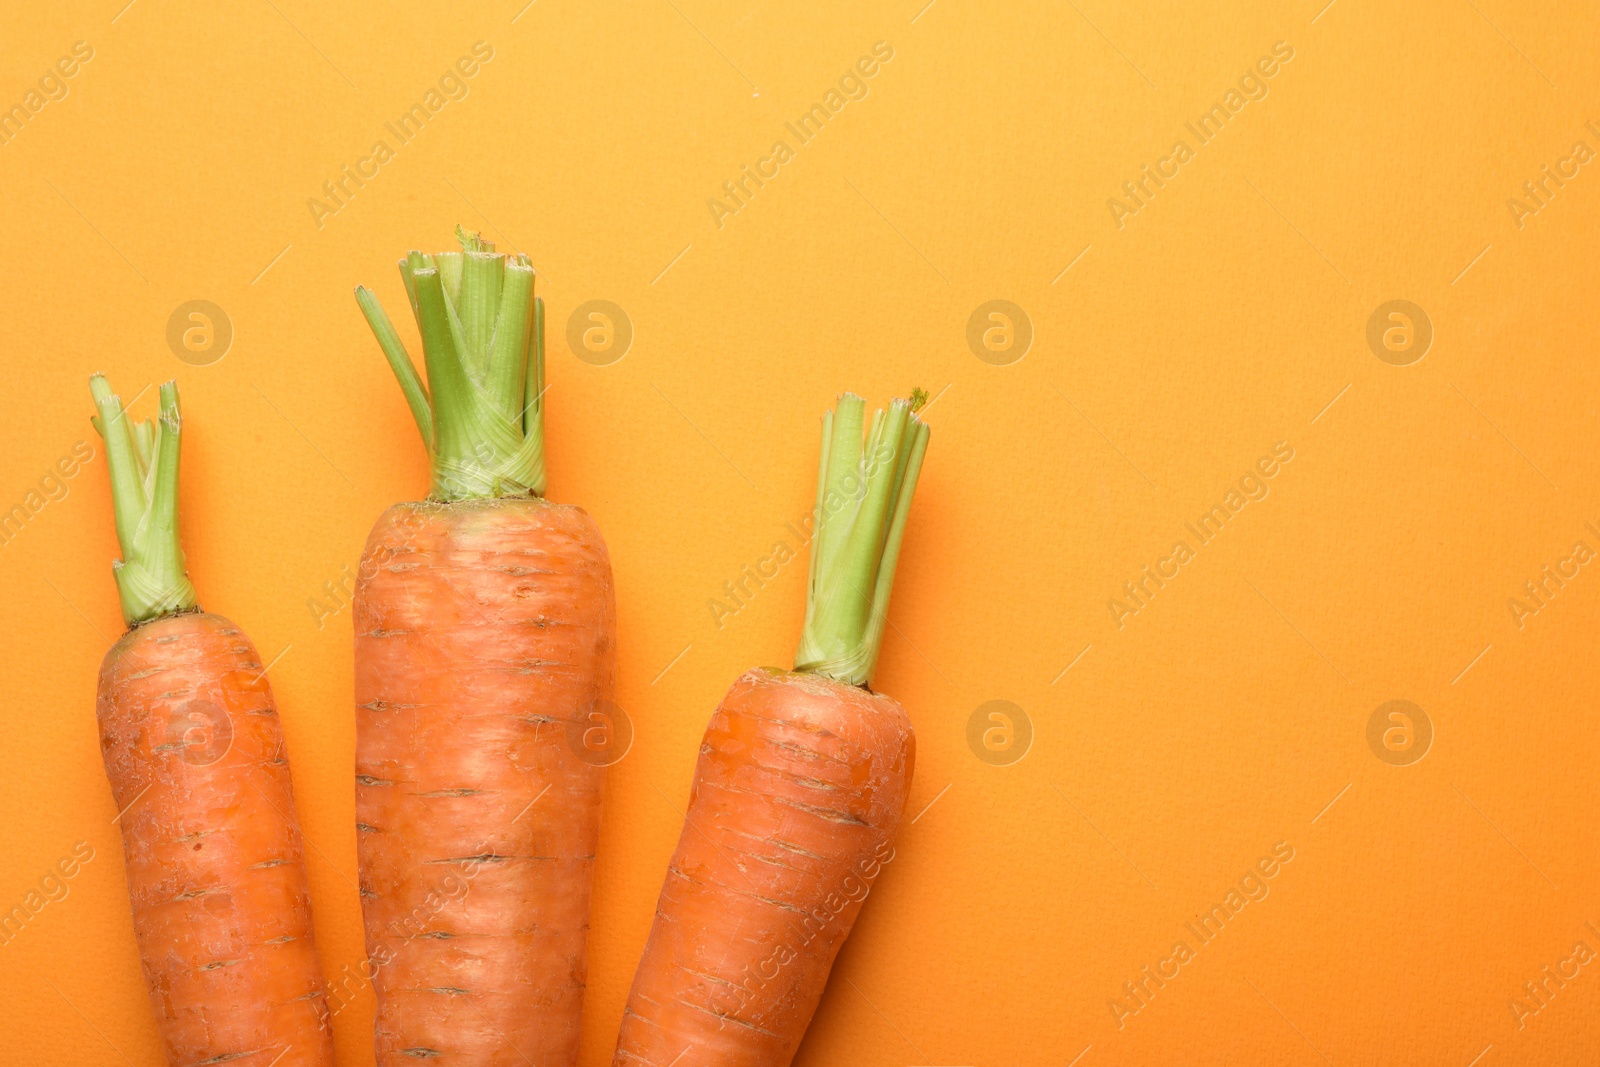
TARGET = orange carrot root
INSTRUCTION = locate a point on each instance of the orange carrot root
(485, 631)
(799, 790)
(216, 871)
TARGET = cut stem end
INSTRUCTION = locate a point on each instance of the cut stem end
(143, 460)
(480, 414)
(864, 494)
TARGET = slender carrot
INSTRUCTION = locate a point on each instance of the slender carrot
(802, 780)
(194, 751)
(485, 642)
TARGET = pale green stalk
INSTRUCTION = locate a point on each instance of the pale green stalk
(863, 498)
(143, 461)
(482, 334)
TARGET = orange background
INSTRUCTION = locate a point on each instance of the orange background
(1228, 715)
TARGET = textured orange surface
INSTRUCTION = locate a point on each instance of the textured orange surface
(485, 652)
(1399, 155)
(215, 865)
(801, 784)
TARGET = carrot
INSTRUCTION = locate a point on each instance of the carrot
(194, 751)
(802, 779)
(485, 642)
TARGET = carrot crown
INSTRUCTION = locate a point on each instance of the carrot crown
(143, 459)
(863, 496)
(483, 343)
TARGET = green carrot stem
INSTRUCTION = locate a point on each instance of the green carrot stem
(143, 460)
(533, 404)
(482, 334)
(863, 498)
(394, 350)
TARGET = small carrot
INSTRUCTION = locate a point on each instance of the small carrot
(194, 751)
(802, 779)
(485, 642)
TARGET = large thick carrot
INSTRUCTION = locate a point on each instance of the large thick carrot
(194, 751)
(802, 779)
(485, 642)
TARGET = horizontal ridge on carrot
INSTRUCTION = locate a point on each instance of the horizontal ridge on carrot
(801, 783)
(195, 754)
(485, 643)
